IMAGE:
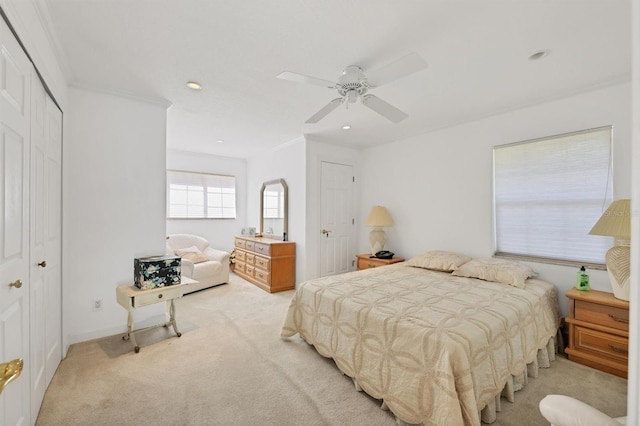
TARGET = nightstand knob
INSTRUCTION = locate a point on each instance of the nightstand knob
(618, 319)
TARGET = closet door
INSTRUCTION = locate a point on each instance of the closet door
(45, 296)
(53, 241)
(15, 71)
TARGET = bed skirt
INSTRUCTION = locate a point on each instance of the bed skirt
(514, 384)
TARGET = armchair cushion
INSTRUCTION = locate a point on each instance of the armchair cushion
(210, 271)
(191, 253)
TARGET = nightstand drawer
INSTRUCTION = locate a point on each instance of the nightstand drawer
(601, 344)
(161, 294)
(608, 316)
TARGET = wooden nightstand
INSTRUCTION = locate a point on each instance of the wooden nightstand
(598, 331)
(366, 262)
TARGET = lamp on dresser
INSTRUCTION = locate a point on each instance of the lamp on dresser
(616, 222)
(379, 217)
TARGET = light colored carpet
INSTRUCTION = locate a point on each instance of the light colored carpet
(230, 367)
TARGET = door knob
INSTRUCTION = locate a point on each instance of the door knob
(9, 371)
(43, 264)
(325, 232)
(16, 284)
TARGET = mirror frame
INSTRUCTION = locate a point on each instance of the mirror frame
(285, 230)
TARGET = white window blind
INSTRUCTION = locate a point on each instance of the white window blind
(548, 194)
(200, 195)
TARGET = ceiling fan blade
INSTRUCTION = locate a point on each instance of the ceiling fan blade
(325, 110)
(301, 78)
(383, 108)
(396, 70)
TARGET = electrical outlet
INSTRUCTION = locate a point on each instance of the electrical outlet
(97, 304)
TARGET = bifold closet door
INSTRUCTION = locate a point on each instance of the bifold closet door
(15, 99)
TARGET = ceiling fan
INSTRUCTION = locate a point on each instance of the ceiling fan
(354, 84)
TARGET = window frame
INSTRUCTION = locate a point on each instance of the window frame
(607, 199)
(205, 194)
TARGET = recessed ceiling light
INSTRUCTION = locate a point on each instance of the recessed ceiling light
(220, 141)
(346, 127)
(193, 85)
(539, 55)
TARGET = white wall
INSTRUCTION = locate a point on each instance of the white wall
(439, 185)
(114, 206)
(219, 232)
(287, 162)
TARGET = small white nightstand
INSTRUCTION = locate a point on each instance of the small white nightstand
(131, 297)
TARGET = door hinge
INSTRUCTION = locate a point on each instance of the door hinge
(353, 178)
(353, 221)
(353, 263)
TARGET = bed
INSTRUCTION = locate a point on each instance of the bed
(435, 348)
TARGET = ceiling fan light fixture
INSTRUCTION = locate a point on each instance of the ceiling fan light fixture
(539, 55)
(194, 85)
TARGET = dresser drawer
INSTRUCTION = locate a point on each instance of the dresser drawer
(240, 243)
(250, 245)
(608, 316)
(262, 263)
(601, 344)
(150, 297)
(248, 269)
(250, 258)
(240, 266)
(262, 248)
(261, 276)
(240, 256)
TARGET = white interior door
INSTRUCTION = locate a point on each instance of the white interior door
(15, 71)
(53, 242)
(45, 244)
(336, 218)
(38, 207)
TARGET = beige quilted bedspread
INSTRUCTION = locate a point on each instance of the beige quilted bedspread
(436, 348)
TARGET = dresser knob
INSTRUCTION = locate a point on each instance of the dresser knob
(160, 296)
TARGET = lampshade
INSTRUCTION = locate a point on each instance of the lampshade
(615, 221)
(379, 216)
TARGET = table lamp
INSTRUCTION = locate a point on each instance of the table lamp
(616, 222)
(378, 218)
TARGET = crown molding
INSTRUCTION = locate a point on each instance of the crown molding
(42, 10)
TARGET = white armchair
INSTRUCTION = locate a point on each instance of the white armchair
(561, 410)
(200, 262)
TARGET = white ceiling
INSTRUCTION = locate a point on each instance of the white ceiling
(477, 53)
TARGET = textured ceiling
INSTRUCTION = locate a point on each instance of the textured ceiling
(477, 53)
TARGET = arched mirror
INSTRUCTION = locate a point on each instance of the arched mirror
(274, 204)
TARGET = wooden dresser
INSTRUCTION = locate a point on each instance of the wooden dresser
(269, 264)
(598, 331)
(365, 261)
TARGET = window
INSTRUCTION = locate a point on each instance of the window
(548, 194)
(200, 195)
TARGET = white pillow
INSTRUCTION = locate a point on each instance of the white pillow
(496, 270)
(439, 260)
(192, 253)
